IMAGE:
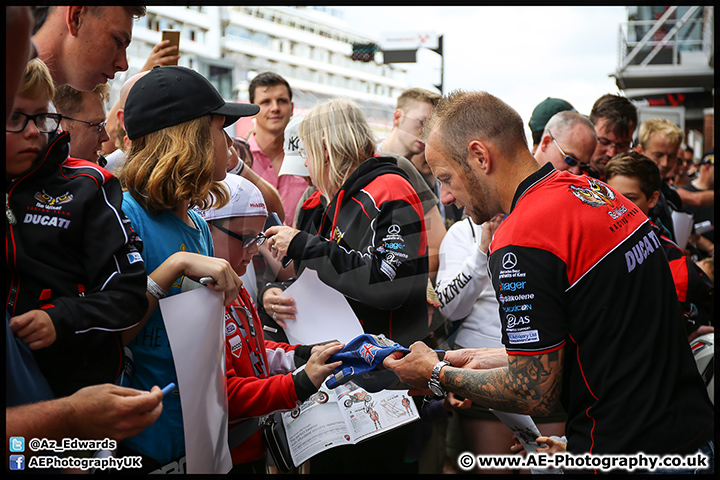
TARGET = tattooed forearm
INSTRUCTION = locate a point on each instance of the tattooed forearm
(530, 384)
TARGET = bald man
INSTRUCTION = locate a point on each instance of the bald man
(568, 142)
(587, 298)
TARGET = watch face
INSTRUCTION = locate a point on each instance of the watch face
(436, 389)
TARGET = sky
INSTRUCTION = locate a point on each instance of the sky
(521, 54)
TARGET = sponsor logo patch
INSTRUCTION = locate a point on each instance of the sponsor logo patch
(513, 321)
(517, 308)
(230, 328)
(388, 269)
(134, 257)
(235, 345)
(516, 298)
(529, 336)
(512, 286)
(509, 261)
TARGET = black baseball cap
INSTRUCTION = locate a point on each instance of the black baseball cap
(171, 95)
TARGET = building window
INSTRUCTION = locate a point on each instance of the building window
(221, 78)
(235, 32)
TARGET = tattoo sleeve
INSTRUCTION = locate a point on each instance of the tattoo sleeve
(530, 384)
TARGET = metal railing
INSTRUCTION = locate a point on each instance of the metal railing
(663, 40)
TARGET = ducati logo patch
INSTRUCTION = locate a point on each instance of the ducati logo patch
(596, 194)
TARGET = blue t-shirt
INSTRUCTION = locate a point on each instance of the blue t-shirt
(162, 236)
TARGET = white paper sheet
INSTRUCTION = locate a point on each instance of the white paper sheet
(683, 223)
(194, 323)
(522, 426)
(323, 313)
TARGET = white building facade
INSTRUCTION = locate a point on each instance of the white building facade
(309, 46)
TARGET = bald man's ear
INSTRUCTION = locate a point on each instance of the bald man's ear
(478, 155)
(544, 142)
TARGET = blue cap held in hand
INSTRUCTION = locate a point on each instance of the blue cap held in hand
(362, 362)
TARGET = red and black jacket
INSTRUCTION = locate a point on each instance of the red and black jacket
(575, 265)
(259, 372)
(694, 289)
(370, 244)
(70, 251)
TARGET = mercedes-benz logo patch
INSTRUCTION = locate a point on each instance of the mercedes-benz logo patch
(509, 261)
(394, 229)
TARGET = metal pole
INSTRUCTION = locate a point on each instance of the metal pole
(439, 50)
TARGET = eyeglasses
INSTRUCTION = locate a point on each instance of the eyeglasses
(568, 159)
(99, 125)
(618, 147)
(247, 240)
(45, 122)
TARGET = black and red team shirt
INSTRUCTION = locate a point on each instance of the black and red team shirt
(575, 265)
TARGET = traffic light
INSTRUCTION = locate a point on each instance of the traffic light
(364, 52)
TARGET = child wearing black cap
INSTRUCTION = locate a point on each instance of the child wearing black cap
(179, 154)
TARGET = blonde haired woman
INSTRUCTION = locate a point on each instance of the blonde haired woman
(179, 154)
(367, 240)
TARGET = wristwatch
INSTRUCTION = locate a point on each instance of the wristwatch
(434, 383)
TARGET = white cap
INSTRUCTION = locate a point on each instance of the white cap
(245, 200)
(293, 163)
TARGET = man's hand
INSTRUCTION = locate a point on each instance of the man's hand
(414, 368)
(111, 411)
(92, 413)
(477, 358)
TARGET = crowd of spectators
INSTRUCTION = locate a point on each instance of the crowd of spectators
(554, 274)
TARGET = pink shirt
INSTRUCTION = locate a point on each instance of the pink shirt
(290, 187)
